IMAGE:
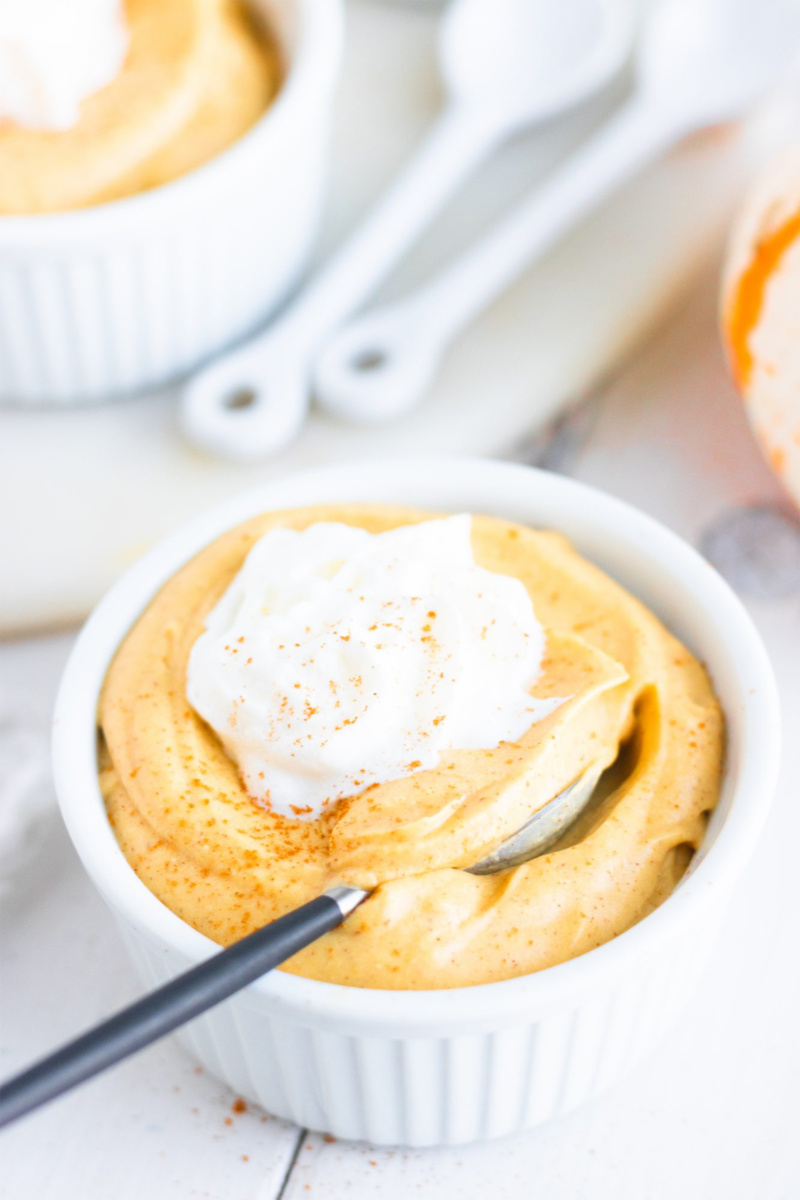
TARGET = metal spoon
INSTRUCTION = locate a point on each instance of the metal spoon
(190, 994)
(506, 64)
(698, 62)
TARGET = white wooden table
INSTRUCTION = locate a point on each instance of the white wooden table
(713, 1116)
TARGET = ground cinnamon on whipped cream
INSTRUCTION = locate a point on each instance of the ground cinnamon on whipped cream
(623, 694)
(339, 659)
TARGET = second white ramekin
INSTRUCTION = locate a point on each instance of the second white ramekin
(124, 296)
(436, 1067)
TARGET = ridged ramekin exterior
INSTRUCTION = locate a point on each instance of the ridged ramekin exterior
(130, 295)
(449, 1086)
(446, 1067)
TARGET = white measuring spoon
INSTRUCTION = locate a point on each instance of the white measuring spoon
(698, 62)
(506, 64)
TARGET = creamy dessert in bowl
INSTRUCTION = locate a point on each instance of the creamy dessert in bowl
(370, 695)
(449, 1007)
(161, 167)
(180, 81)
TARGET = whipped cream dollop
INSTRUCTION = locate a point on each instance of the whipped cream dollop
(55, 53)
(338, 659)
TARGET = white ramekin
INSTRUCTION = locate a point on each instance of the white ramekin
(423, 1068)
(123, 296)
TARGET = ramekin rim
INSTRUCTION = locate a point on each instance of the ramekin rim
(313, 70)
(129, 896)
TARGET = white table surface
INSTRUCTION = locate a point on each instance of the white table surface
(712, 1116)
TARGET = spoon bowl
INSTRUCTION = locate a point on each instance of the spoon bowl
(542, 830)
(533, 58)
(710, 60)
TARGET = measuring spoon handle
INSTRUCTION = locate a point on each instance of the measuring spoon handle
(252, 402)
(381, 364)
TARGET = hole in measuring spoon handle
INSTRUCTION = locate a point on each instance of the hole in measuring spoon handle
(369, 360)
(240, 399)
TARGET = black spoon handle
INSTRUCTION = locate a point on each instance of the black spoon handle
(176, 1003)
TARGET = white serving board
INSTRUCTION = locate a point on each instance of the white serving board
(84, 492)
